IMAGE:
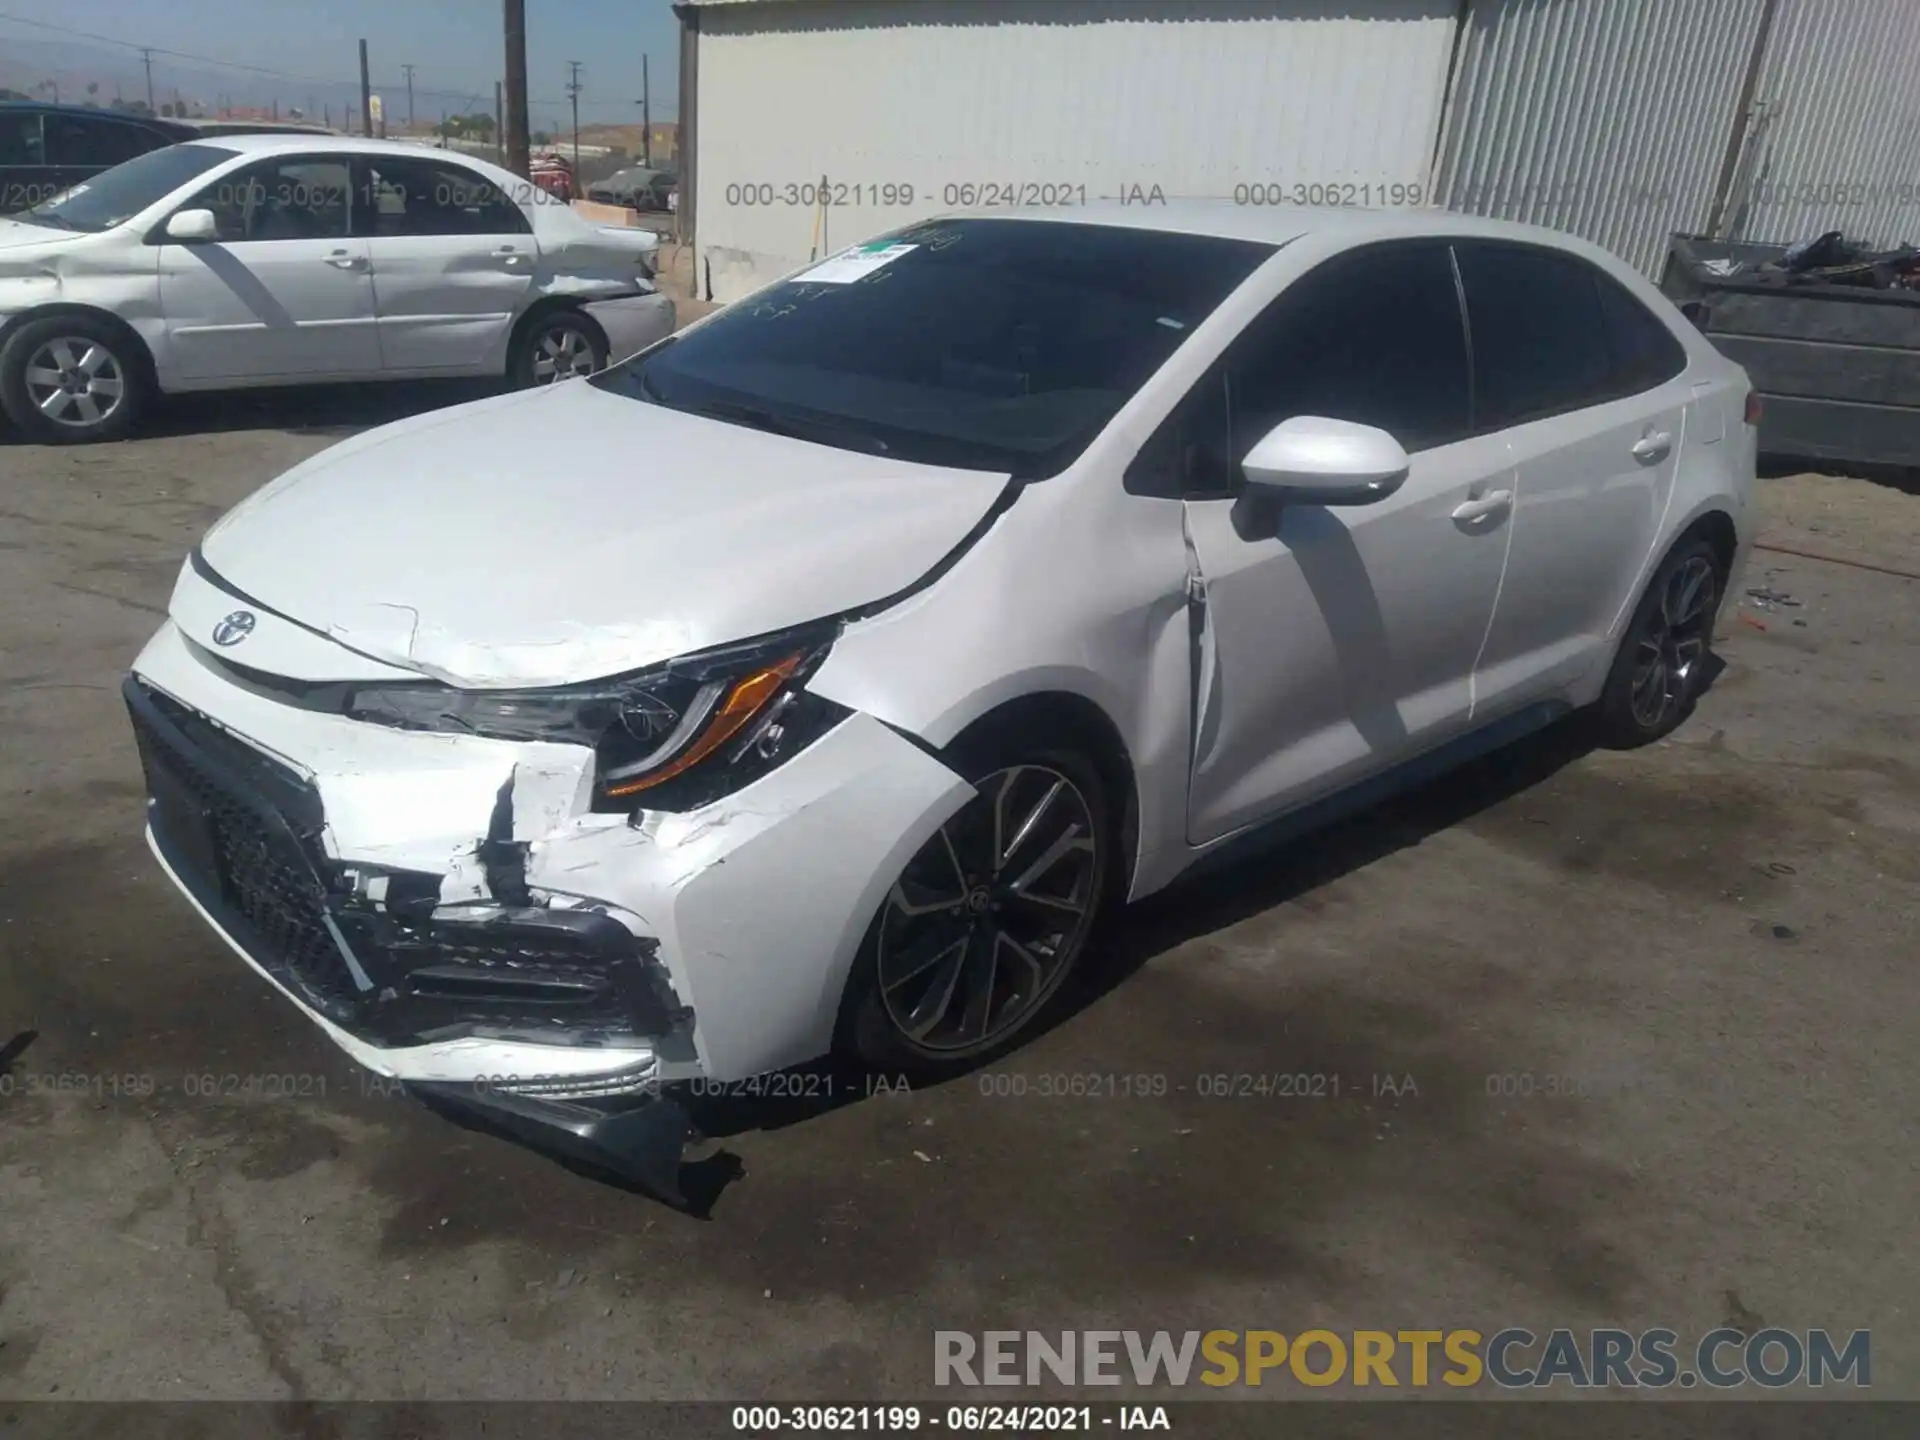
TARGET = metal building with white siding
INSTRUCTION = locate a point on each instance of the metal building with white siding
(812, 124)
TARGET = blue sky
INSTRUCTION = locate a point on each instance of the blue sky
(454, 45)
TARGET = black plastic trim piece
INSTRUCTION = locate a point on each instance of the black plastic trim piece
(639, 1140)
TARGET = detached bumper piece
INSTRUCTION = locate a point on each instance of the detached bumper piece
(242, 833)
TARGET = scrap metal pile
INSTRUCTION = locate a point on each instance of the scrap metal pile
(1831, 259)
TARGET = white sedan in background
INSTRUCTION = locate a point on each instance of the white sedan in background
(252, 260)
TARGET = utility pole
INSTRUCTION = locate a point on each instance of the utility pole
(499, 127)
(516, 83)
(326, 112)
(366, 95)
(146, 54)
(409, 70)
(573, 94)
(646, 115)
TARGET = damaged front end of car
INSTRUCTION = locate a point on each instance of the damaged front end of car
(376, 955)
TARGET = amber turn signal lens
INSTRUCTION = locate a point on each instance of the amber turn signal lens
(745, 700)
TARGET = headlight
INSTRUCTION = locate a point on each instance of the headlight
(668, 738)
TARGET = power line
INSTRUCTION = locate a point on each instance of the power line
(470, 96)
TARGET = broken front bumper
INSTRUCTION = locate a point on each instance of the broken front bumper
(355, 866)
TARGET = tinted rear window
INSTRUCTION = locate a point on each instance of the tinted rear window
(1645, 352)
(1540, 344)
(985, 344)
(84, 140)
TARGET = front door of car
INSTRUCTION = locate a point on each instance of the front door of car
(1591, 391)
(454, 262)
(283, 291)
(1333, 641)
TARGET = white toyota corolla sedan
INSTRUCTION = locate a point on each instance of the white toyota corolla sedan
(252, 260)
(876, 633)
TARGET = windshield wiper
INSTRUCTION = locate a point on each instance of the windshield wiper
(59, 222)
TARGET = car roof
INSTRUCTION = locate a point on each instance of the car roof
(1282, 224)
(278, 141)
(47, 107)
(249, 127)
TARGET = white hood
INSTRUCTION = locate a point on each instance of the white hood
(570, 534)
(15, 233)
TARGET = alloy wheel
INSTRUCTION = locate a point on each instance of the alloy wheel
(1674, 642)
(987, 918)
(74, 381)
(563, 353)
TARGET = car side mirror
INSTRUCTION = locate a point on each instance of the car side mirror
(1314, 460)
(191, 227)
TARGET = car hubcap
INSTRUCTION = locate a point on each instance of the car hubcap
(562, 354)
(986, 919)
(75, 381)
(1674, 642)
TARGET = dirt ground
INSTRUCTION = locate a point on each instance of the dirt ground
(1711, 942)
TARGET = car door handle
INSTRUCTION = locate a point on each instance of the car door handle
(346, 260)
(511, 257)
(1494, 502)
(1653, 447)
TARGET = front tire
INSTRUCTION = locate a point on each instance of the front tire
(983, 926)
(559, 345)
(72, 380)
(1662, 664)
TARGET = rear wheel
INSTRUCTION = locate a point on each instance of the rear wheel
(1662, 664)
(70, 379)
(984, 924)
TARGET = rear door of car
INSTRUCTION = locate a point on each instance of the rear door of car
(454, 260)
(283, 292)
(1590, 391)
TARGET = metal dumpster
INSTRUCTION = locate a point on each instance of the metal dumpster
(1837, 366)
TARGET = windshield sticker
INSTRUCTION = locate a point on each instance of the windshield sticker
(855, 264)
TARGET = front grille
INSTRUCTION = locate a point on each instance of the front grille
(263, 863)
(242, 832)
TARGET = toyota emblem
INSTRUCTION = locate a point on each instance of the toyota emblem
(235, 628)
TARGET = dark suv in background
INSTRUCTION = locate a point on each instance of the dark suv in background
(46, 148)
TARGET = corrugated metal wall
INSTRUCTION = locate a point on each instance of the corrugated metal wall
(1093, 97)
(1607, 118)
(1840, 145)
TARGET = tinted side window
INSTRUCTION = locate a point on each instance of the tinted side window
(80, 140)
(419, 197)
(1539, 339)
(1373, 336)
(20, 142)
(1645, 352)
(299, 198)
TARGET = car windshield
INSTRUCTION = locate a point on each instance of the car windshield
(1003, 345)
(115, 196)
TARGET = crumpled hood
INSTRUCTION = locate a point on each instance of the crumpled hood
(569, 534)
